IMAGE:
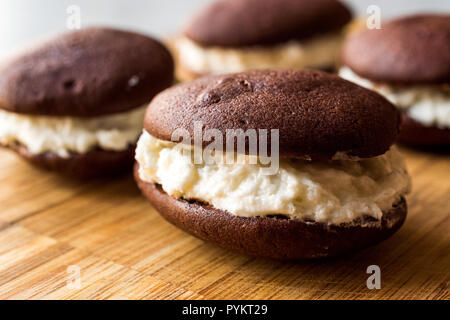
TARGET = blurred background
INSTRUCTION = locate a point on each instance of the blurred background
(24, 20)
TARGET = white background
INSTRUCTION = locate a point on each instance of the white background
(24, 20)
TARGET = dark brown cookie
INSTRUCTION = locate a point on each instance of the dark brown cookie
(86, 73)
(272, 237)
(410, 50)
(317, 114)
(92, 164)
(236, 23)
(415, 134)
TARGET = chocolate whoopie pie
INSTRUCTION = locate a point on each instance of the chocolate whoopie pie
(237, 35)
(330, 183)
(407, 61)
(74, 103)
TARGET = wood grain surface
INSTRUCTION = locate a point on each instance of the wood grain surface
(125, 250)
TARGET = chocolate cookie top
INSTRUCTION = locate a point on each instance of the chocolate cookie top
(235, 23)
(411, 50)
(317, 114)
(86, 73)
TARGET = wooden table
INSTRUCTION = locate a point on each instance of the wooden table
(51, 228)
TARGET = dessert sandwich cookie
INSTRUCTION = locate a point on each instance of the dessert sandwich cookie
(407, 61)
(335, 185)
(75, 102)
(237, 35)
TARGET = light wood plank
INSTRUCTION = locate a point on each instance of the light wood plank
(125, 250)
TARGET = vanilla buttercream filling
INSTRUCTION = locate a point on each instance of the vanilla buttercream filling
(335, 191)
(427, 104)
(320, 52)
(66, 135)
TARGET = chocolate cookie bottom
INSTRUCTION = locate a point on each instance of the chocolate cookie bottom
(415, 134)
(92, 164)
(272, 237)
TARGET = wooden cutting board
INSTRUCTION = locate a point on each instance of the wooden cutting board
(63, 239)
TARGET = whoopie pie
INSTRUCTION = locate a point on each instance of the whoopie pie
(75, 103)
(339, 184)
(407, 61)
(237, 35)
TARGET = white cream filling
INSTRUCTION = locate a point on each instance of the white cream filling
(332, 192)
(428, 105)
(320, 52)
(65, 135)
